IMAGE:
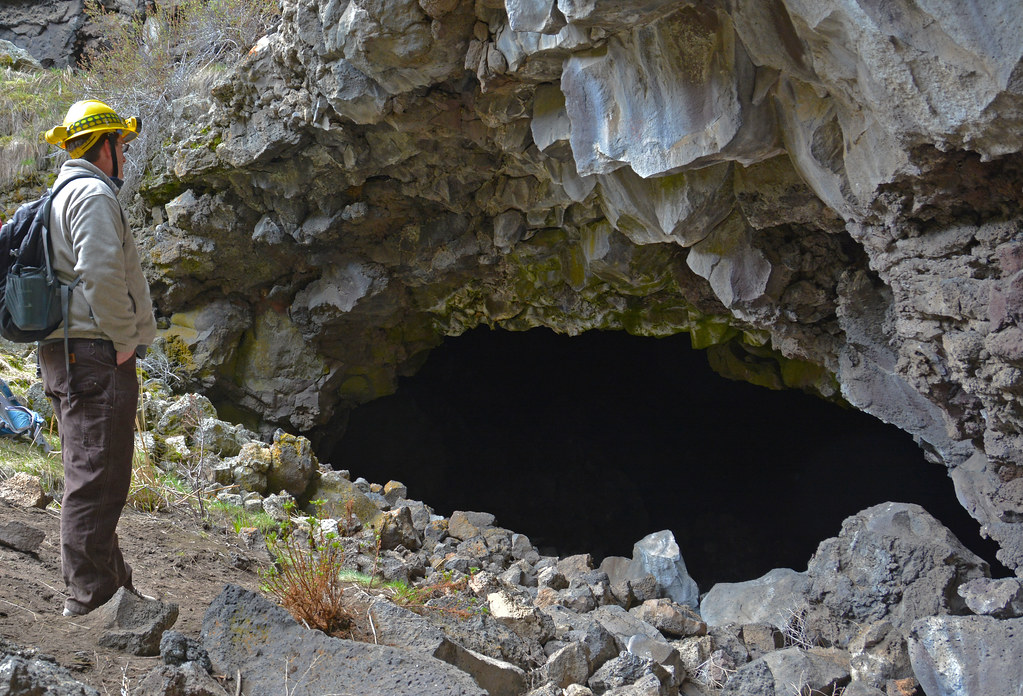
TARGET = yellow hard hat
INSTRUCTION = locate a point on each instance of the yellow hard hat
(90, 116)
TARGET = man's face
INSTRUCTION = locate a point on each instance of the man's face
(122, 148)
(105, 161)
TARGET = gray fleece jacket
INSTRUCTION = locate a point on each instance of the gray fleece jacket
(92, 239)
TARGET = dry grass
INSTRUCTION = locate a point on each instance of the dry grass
(145, 64)
(30, 103)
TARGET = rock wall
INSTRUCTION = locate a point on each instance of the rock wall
(56, 32)
(826, 195)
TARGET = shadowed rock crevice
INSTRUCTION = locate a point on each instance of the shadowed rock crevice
(589, 443)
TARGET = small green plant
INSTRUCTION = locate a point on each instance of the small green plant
(22, 456)
(306, 578)
(240, 518)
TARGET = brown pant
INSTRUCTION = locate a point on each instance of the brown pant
(96, 414)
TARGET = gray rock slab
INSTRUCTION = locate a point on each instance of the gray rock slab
(663, 654)
(401, 628)
(465, 524)
(623, 625)
(967, 655)
(186, 679)
(485, 634)
(630, 584)
(130, 623)
(752, 679)
(1002, 599)
(761, 639)
(860, 689)
(21, 537)
(244, 632)
(24, 674)
(771, 599)
(568, 665)
(647, 685)
(671, 619)
(796, 670)
(600, 644)
(548, 689)
(624, 670)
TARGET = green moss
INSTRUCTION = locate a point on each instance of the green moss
(367, 384)
(766, 367)
(178, 352)
(708, 330)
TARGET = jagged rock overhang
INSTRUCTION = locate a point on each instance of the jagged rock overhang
(364, 201)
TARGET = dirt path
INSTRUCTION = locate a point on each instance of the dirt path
(172, 557)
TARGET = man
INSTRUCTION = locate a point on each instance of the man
(110, 318)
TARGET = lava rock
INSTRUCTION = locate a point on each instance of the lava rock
(892, 561)
(659, 555)
(671, 619)
(177, 649)
(24, 490)
(244, 632)
(772, 598)
(132, 623)
(967, 655)
(1002, 599)
(21, 537)
(465, 525)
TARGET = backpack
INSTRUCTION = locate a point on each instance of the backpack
(17, 420)
(33, 303)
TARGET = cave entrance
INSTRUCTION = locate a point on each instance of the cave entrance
(588, 443)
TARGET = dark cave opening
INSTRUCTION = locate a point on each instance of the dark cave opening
(588, 443)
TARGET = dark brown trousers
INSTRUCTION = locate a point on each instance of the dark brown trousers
(95, 407)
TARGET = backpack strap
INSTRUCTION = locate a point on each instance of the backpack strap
(65, 305)
(65, 290)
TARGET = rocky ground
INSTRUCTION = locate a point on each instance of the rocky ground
(482, 612)
(173, 558)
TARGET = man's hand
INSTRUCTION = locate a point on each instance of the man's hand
(123, 356)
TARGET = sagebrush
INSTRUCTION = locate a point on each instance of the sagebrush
(145, 63)
(307, 576)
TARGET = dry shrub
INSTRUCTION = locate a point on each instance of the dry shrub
(306, 579)
(145, 63)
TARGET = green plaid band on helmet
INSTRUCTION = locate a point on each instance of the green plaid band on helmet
(100, 119)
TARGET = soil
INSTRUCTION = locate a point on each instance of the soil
(173, 558)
